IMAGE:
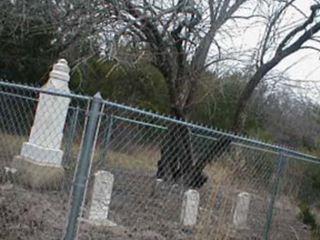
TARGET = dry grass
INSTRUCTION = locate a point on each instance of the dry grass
(10, 146)
(144, 159)
(218, 176)
(38, 176)
(217, 198)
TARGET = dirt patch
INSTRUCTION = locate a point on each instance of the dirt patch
(30, 215)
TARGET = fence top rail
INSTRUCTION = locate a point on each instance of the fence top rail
(208, 130)
(39, 90)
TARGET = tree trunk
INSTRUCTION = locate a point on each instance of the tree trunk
(238, 121)
(176, 154)
(178, 161)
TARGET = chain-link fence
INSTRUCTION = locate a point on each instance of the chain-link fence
(40, 134)
(81, 167)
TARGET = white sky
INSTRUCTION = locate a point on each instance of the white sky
(306, 62)
(308, 66)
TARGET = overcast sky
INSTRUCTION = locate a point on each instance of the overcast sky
(307, 67)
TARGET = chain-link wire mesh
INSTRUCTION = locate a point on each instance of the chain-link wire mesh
(298, 192)
(35, 178)
(131, 174)
(155, 160)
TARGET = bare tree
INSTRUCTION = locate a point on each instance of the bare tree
(279, 46)
(179, 34)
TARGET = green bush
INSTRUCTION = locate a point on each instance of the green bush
(140, 84)
(306, 216)
(309, 219)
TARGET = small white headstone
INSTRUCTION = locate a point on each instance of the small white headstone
(101, 198)
(10, 170)
(159, 180)
(241, 211)
(190, 204)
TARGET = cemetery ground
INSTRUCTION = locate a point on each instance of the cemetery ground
(141, 208)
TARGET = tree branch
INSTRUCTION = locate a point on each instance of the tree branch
(281, 53)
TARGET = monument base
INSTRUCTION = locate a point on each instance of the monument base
(101, 223)
(41, 154)
(35, 175)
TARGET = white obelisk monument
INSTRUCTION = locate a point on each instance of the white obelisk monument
(40, 161)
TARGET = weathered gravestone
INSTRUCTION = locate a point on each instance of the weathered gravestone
(190, 206)
(240, 214)
(101, 197)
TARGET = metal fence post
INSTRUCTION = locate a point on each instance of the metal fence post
(70, 140)
(83, 168)
(280, 169)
